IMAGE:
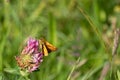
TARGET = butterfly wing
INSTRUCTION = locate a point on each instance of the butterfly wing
(50, 47)
(44, 50)
(46, 47)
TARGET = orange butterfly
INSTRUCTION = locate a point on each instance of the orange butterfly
(46, 47)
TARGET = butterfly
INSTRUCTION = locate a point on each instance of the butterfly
(46, 47)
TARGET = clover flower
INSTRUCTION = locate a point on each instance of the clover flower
(30, 57)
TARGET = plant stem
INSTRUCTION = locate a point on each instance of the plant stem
(6, 29)
(26, 78)
(69, 76)
(52, 29)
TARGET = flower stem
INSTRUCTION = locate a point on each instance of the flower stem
(26, 78)
(24, 74)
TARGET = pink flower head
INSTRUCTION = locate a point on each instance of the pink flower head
(31, 47)
(31, 56)
(36, 60)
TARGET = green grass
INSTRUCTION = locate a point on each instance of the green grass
(82, 30)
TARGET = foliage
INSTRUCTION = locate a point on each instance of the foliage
(82, 30)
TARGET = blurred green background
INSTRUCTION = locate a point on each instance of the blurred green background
(82, 30)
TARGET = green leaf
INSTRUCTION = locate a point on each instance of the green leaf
(11, 70)
(1, 76)
(118, 74)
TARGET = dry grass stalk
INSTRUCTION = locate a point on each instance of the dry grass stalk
(116, 42)
(104, 71)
